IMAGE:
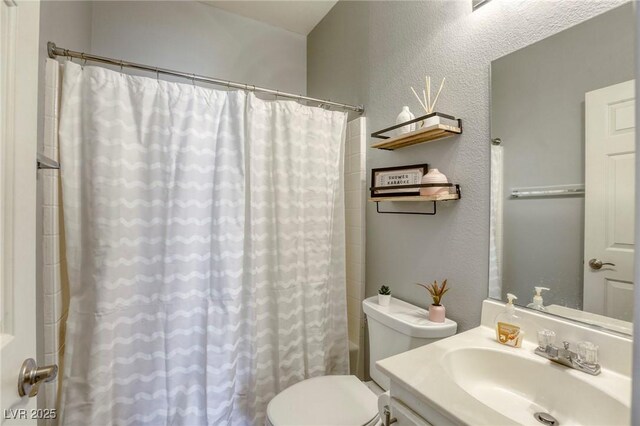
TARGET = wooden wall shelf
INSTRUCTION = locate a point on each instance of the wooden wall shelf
(445, 127)
(418, 198)
(451, 196)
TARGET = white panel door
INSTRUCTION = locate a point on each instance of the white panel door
(19, 25)
(609, 200)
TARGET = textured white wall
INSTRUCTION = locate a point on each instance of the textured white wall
(405, 41)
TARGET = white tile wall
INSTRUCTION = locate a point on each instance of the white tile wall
(355, 199)
(54, 278)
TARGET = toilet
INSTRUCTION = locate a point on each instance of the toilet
(345, 400)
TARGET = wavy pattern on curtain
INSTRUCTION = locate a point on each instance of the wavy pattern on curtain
(205, 239)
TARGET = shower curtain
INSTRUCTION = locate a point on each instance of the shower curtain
(205, 248)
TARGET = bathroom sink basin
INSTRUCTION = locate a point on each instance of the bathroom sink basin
(519, 387)
(470, 379)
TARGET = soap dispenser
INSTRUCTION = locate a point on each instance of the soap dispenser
(537, 302)
(508, 325)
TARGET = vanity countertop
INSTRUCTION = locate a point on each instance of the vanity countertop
(431, 376)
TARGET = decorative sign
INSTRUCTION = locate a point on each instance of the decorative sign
(397, 176)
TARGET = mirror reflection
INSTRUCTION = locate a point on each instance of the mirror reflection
(562, 173)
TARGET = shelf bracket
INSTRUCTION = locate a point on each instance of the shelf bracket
(431, 213)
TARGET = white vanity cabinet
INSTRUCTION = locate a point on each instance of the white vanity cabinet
(409, 411)
(405, 416)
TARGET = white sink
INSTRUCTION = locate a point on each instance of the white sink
(471, 379)
(519, 386)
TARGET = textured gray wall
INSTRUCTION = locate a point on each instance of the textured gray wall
(405, 41)
(68, 24)
(537, 109)
(197, 38)
(188, 36)
(338, 55)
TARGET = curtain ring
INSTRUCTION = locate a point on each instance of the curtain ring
(157, 74)
(84, 59)
(228, 84)
(277, 93)
(121, 65)
(193, 80)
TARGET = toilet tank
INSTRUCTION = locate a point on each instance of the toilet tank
(398, 328)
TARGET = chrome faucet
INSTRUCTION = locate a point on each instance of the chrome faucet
(585, 359)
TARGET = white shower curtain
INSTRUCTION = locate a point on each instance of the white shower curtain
(205, 238)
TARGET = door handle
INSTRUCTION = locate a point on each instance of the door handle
(596, 264)
(31, 377)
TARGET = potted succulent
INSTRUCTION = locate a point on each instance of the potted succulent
(384, 296)
(436, 310)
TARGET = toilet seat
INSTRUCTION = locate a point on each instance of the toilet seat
(324, 401)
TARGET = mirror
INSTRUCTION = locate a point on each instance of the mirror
(562, 172)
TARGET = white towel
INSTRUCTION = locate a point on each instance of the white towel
(495, 227)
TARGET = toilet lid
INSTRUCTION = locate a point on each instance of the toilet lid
(325, 401)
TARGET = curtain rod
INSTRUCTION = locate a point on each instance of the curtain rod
(55, 51)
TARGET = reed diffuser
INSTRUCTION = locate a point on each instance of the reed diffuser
(426, 101)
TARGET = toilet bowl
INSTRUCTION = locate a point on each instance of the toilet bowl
(345, 400)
